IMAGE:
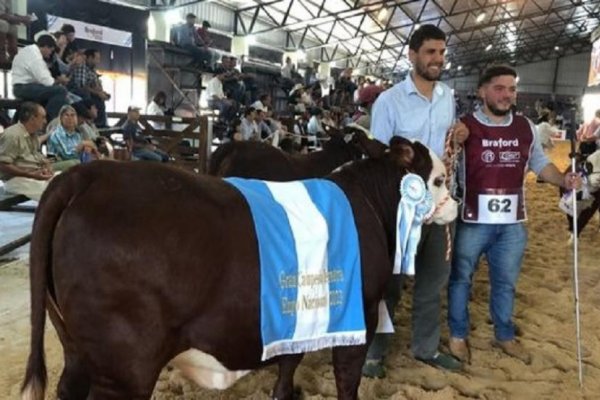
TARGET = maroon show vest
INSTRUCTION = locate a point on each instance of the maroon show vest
(495, 163)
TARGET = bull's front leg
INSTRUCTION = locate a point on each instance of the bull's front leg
(284, 387)
(347, 367)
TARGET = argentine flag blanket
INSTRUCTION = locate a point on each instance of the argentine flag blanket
(310, 283)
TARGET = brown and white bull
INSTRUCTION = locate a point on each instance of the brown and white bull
(140, 265)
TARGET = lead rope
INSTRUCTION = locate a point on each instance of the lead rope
(451, 151)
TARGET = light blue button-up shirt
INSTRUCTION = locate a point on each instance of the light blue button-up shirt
(403, 111)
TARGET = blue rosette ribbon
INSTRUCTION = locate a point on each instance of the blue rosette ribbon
(415, 207)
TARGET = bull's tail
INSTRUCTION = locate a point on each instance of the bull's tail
(219, 160)
(52, 204)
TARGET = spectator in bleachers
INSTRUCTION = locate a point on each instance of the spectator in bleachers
(86, 114)
(157, 107)
(85, 82)
(263, 103)
(56, 64)
(66, 142)
(71, 47)
(32, 80)
(249, 128)
(208, 42)
(216, 98)
(140, 146)
(366, 99)
(8, 30)
(186, 37)
(23, 168)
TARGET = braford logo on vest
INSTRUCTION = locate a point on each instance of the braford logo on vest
(500, 143)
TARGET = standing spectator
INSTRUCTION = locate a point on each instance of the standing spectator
(85, 82)
(186, 37)
(23, 168)
(32, 80)
(8, 30)
(419, 108)
(140, 145)
(366, 99)
(588, 135)
(493, 211)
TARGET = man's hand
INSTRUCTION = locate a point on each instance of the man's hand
(62, 79)
(461, 132)
(572, 181)
(42, 174)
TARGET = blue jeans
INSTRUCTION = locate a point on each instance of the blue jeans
(151, 155)
(52, 97)
(503, 246)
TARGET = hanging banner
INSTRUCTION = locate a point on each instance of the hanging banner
(87, 31)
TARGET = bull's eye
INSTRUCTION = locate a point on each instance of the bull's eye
(439, 181)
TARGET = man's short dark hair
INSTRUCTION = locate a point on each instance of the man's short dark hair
(90, 52)
(28, 110)
(46, 41)
(425, 32)
(68, 28)
(493, 71)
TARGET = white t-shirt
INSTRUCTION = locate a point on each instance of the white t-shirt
(214, 88)
(29, 67)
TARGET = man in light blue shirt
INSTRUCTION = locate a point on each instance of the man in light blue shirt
(420, 108)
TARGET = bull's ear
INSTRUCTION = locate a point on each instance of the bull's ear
(402, 151)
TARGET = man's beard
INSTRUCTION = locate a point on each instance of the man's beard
(496, 111)
(423, 73)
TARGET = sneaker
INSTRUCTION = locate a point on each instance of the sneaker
(459, 349)
(443, 361)
(513, 349)
(373, 369)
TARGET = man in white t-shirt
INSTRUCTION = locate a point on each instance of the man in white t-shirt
(216, 97)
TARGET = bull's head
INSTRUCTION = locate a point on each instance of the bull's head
(419, 159)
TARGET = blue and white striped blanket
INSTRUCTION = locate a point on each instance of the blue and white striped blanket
(311, 289)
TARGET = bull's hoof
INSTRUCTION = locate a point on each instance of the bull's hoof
(373, 369)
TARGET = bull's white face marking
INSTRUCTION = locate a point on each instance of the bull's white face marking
(594, 179)
(446, 207)
(205, 370)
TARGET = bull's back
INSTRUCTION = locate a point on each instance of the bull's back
(154, 239)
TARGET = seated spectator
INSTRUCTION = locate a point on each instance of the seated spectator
(141, 146)
(8, 30)
(56, 65)
(315, 127)
(157, 107)
(186, 37)
(249, 128)
(31, 77)
(217, 100)
(65, 141)
(71, 48)
(85, 82)
(263, 103)
(86, 114)
(208, 42)
(23, 168)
